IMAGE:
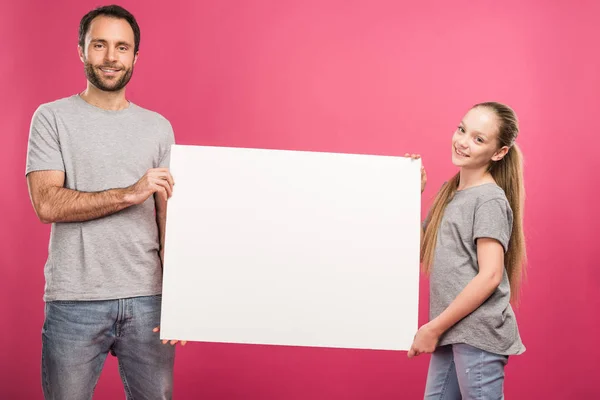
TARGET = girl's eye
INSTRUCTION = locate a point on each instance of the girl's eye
(479, 140)
(461, 129)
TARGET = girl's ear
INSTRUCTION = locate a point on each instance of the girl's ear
(499, 155)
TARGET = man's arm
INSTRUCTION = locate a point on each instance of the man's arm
(55, 203)
(161, 220)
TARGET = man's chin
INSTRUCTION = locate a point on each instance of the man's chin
(109, 88)
(109, 85)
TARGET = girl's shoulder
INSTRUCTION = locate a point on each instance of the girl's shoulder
(481, 194)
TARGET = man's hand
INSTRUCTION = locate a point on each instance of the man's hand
(155, 180)
(173, 342)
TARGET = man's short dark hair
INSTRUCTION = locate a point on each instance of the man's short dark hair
(112, 11)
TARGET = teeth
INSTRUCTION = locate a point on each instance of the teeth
(460, 153)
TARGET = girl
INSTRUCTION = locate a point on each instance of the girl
(473, 247)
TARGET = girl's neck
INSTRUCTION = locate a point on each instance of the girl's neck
(470, 178)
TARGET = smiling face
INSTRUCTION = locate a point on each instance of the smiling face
(108, 53)
(475, 142)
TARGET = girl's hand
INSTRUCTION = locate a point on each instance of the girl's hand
(423, 173)
(425, 341)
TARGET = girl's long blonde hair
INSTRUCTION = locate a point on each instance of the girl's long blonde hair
(508, 174)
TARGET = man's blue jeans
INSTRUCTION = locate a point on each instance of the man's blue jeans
(77, 336)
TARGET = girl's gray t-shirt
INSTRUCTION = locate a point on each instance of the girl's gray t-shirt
(478, 212)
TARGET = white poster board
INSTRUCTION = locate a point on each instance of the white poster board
(292, 248)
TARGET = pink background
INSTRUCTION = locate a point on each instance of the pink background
(374, 77)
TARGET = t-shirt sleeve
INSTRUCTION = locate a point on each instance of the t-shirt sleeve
(493, 219)
(165, 148)
(43, 149)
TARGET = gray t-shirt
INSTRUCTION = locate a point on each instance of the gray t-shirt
(477, 212)
(115, 256)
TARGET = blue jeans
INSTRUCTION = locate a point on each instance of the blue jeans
(460, 371)
(78, 335)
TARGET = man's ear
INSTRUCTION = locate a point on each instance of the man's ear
(499, 155)
(81, 54)
(135, 57)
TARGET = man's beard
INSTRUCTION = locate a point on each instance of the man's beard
(94, 76)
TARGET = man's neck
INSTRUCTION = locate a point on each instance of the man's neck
(113, 101)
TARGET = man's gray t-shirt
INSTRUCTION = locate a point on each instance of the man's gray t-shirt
(116, 256)
(478, 212)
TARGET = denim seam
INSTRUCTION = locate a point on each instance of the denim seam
(120, 312)
(447, 378)
(125, 384)
(44, 366)
(480, 375)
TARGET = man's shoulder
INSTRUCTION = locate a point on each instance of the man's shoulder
(55, 105)
(150, 115)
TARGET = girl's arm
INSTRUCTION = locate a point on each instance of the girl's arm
(490, 257)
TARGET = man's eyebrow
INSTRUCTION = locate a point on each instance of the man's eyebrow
(103, 41)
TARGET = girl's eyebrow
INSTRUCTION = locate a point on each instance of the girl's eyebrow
(476, 132)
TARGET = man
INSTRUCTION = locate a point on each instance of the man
(97, 170)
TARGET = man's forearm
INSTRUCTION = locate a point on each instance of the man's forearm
(66, 205)
(161, 221)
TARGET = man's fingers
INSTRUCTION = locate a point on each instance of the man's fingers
(161, 173)
(169, 182)
(156, 329)
(174, 342)
(161, 189)
(165, 185)
(157, 170)
(162, 193)
(170, 179)
(167, 177)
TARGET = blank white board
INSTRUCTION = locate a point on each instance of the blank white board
(292, 248)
